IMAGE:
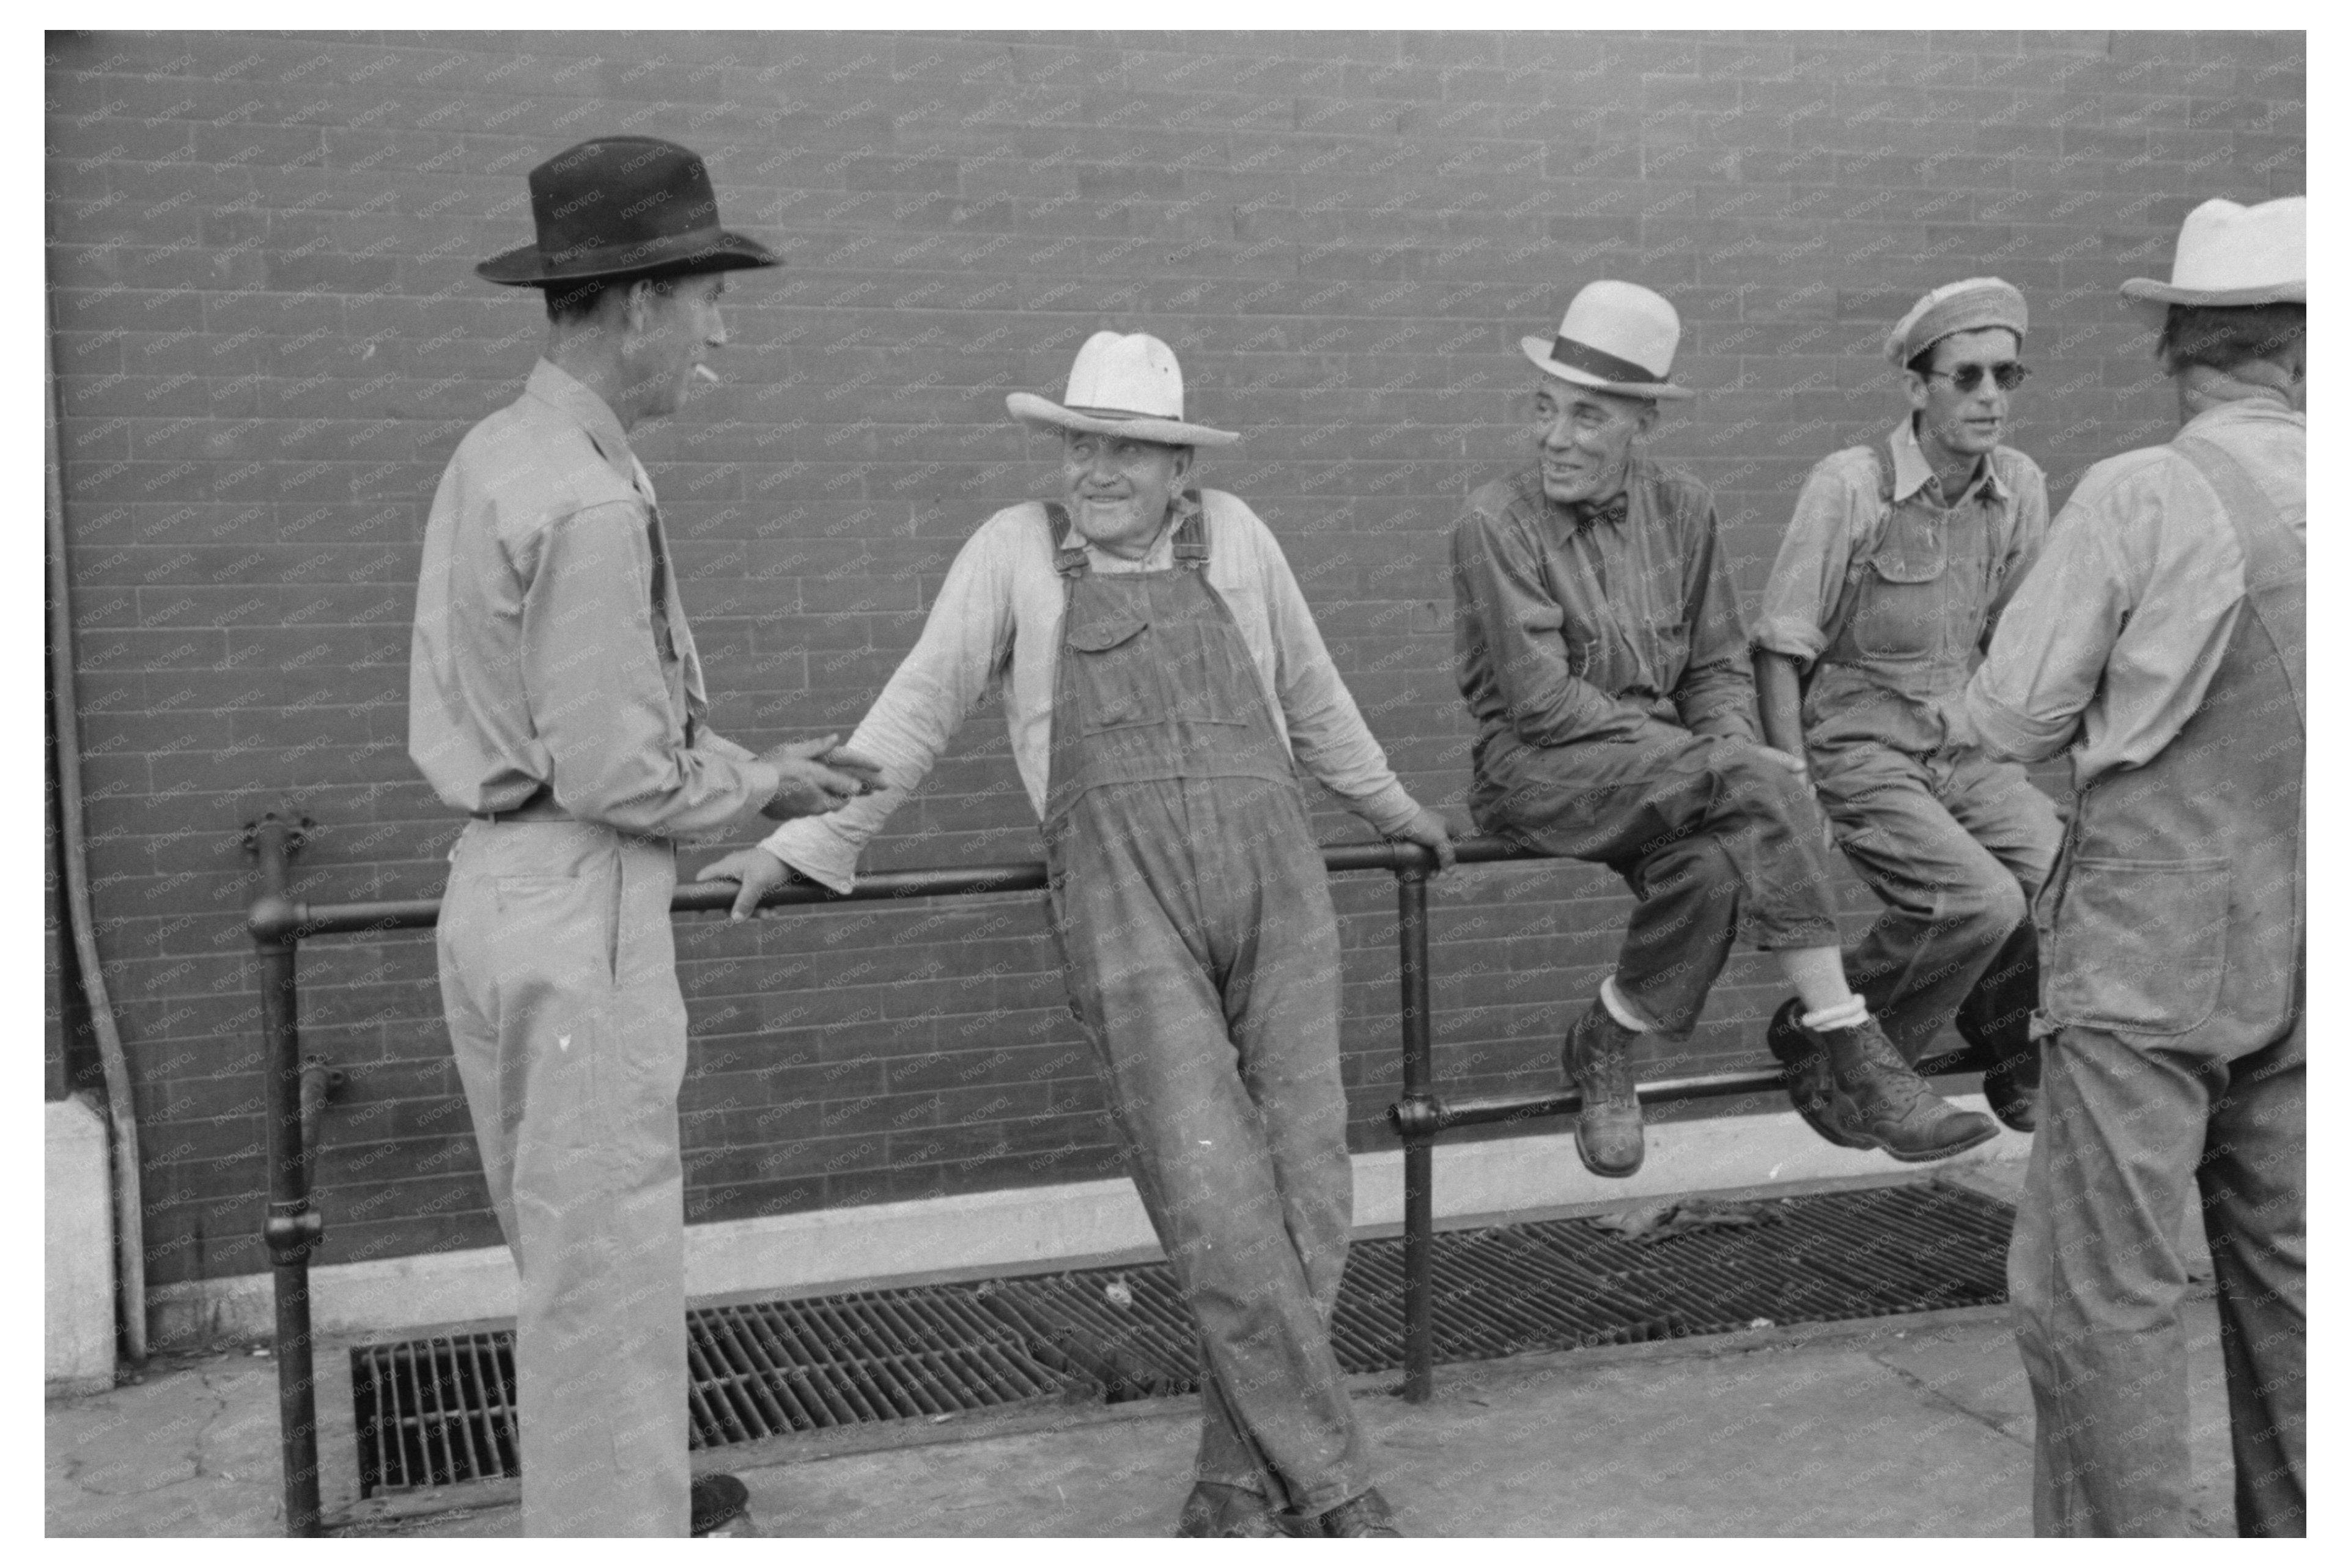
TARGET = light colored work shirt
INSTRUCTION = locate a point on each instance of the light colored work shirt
(2115, 635)
(551, 645)
(1838, 515)
(997, 626)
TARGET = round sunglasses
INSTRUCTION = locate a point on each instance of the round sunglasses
(2007, 376)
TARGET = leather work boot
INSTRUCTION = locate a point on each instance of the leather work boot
(1996, 1019)
(720, 1506)
(1812, 1087)
(1595, 1059)
(1881, 1100)
(1364, 1514)
(1216, 1512)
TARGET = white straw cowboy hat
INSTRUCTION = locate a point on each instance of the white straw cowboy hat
(1615, 337)
(2229, 255)
(1128, 386)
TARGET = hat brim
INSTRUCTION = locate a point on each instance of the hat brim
(2151, 300)
(526, 266)
(1539, 351)
(1031, 409)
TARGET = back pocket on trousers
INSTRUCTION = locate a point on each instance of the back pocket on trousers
(2138, 947)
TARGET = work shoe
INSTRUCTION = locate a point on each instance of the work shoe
(1812, 1087)
(1217, 1511)
(1596, 1060)
(1366, 1513)
(720, 1506)
(1881, 1100)
(2014, 1088)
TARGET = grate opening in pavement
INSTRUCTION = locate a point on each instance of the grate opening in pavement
(434, 1412)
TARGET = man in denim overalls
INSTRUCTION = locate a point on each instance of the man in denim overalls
(2161, 639)
(1889, 580)
(1160, 671)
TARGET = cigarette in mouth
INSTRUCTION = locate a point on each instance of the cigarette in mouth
(706, 374)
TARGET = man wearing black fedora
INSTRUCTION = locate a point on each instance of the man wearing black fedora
(1601, 650)
(555, 697)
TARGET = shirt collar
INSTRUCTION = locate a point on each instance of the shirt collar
(1911, 469)
(572, 398)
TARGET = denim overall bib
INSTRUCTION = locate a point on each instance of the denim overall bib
(1955, 842)
(2174, 943)
(1201, 952)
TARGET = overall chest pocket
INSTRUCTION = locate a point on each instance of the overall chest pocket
(1902, 587)
(1114, 671)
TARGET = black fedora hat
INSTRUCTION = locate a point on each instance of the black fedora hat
(622, 206)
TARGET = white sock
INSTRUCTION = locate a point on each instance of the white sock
(1620, 1008)
(1847, 1014)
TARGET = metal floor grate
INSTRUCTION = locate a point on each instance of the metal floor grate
(433, 1412)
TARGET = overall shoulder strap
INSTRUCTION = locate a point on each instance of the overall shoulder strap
(1192, 534)
(2274, 560)
(1069, 559)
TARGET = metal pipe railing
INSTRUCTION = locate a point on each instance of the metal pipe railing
(278, 922)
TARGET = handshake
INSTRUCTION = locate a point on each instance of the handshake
(814, 778)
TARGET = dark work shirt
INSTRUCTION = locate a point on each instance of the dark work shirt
(1572, 628)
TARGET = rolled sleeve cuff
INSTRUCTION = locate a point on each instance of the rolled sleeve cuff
(1389, 810)
(2007, 734)
(1787, 634)
(810, 846)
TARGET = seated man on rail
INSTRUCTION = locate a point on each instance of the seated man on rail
(1161, 671)
(1601, 651)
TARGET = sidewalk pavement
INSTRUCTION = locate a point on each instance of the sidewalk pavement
(1915, 1424)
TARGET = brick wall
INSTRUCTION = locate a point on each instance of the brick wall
(269, 336)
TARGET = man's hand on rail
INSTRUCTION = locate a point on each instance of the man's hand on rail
(755, 872)
(1427, 829)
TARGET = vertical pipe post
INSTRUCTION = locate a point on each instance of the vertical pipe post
(1419, 1206)
(293, 1228)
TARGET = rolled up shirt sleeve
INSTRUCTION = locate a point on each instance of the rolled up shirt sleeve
(2049, 650)
(1327, 732)
(1497, 580)
(598, 698)
(1808, 575)
(966, 645)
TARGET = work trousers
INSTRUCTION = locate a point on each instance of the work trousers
(559, 979)
(1709, 834)
(1957, 846)
(2128, 1126)
(1202, 955)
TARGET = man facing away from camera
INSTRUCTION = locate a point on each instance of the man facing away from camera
(1889, 580)
(2160, 638)
(1161, 671)
(556, 697)
(1601, 651)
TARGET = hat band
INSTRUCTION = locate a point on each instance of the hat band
(1125, 414)
(1592, 361)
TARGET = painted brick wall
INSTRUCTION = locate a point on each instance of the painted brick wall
(269, 336)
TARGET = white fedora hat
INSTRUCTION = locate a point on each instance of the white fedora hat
(2231, 254)
(1615, 337)
(1129, 386)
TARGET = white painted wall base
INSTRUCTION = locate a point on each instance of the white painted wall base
(78, 1278)
(798, 1253)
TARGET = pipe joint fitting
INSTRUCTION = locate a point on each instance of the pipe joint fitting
(292, 1232)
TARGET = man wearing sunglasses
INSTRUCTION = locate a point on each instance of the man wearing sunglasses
(1892, 572)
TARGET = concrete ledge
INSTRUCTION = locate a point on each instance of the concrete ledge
(78, 1276)
(804, 1253)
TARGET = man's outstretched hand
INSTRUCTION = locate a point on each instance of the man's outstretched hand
(814, 778)
(1427, 829)
(754, 870)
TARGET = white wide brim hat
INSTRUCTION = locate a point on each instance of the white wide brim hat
(1121, 385)
(2232, 254)
(1615, 338)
